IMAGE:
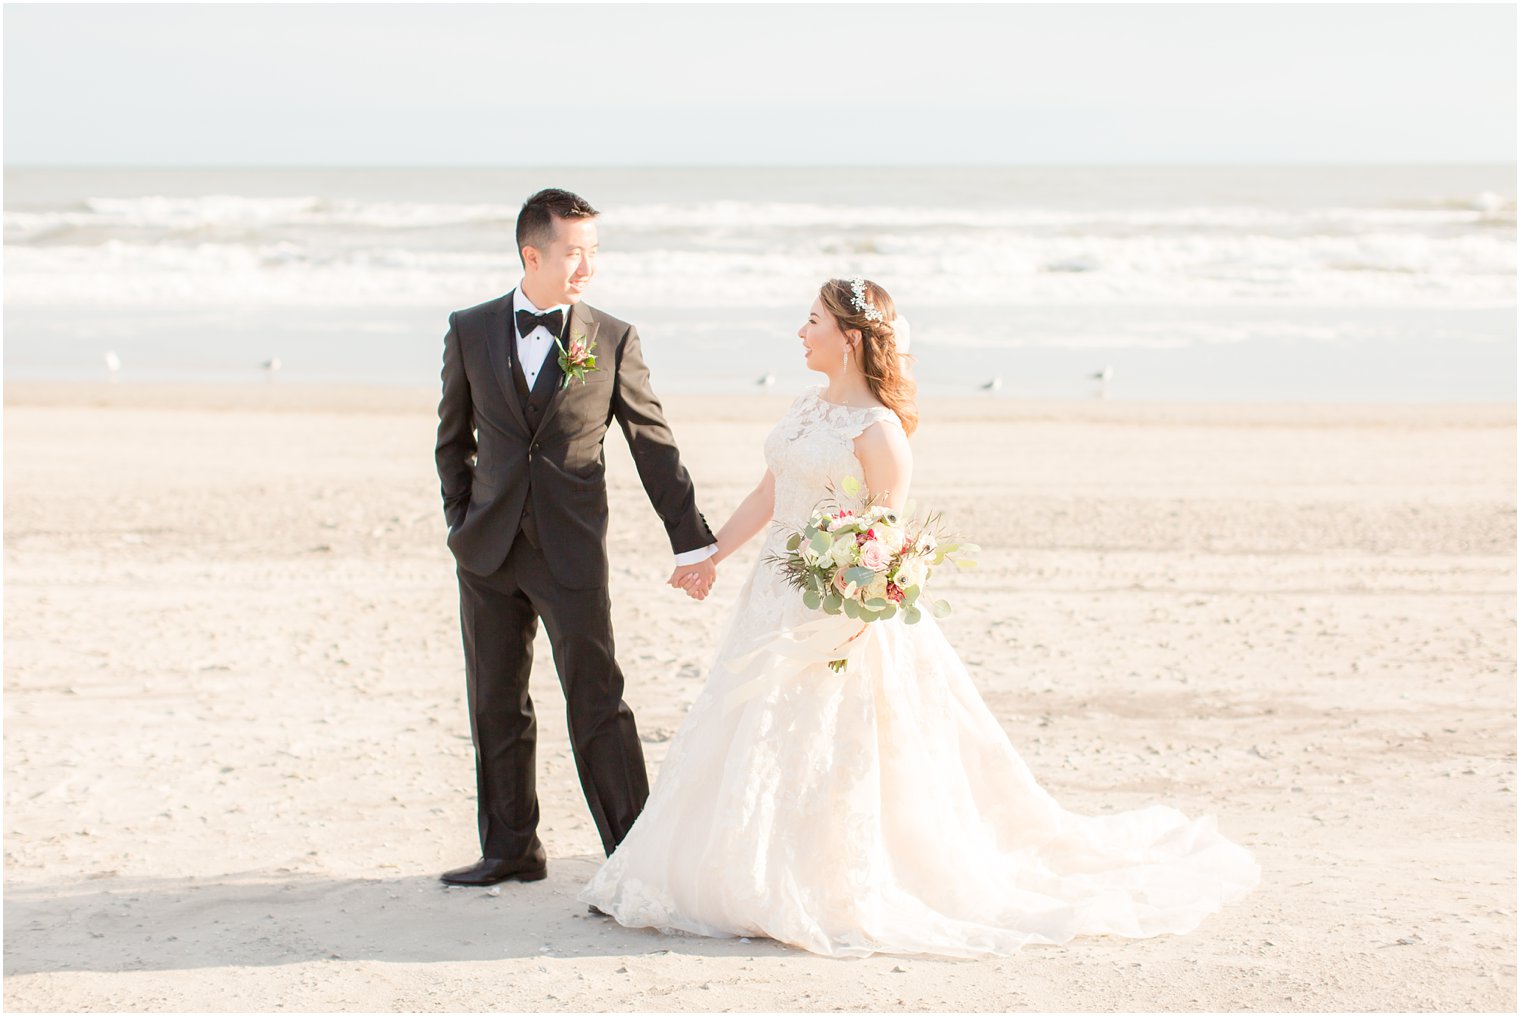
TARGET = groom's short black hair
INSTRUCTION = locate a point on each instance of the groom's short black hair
(535, 223)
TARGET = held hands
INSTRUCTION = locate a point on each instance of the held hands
(696, 579)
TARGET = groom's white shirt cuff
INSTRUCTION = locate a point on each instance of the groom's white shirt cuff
(693, 556)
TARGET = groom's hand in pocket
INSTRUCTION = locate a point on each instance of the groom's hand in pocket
(696, 579)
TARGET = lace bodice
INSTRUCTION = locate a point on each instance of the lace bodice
(812, 448)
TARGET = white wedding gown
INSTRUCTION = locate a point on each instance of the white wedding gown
(882, 809)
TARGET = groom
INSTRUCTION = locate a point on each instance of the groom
(520, 431)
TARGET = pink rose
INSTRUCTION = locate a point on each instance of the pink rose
(844, 587)
(875, 555)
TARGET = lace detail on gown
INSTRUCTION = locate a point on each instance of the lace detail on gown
(882, 809)
(809, 450)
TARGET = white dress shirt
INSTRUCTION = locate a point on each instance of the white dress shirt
(533, 349)
(533, 352)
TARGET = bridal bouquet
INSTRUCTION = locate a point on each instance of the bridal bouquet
(868, 563)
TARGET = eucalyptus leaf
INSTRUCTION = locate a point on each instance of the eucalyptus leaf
(941, 608)
(794, 541)
(876, 603)
(851, 608)
(833, 603)
(912, 616)
(850, 486)
(859, 575)
(812, 600)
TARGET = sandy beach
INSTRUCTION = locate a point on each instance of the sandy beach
(237, 755)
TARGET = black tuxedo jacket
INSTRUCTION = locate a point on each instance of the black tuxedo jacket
(492, 463)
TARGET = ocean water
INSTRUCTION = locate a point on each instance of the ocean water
(1264, 283)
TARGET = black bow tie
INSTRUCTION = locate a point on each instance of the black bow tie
(527, 321)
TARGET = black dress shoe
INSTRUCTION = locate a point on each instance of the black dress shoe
(490, 870)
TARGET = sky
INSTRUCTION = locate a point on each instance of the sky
(699, 84)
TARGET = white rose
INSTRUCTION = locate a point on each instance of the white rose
(876, 589)
(843, 551)
(892, 536)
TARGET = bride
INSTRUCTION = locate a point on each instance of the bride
(880, 809)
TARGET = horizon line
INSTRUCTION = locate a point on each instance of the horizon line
(1284, 164)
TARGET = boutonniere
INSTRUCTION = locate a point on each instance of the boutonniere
(577, 361)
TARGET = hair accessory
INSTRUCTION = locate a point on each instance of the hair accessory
(858, 298)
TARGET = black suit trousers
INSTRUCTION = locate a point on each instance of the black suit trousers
(498, 616)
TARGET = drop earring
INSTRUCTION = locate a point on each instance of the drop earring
(846, 357)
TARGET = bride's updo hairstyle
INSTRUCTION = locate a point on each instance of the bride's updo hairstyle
(884, 366)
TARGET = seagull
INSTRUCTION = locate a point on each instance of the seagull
(767, 380)
(1103, 377)
(993, 385)
(1488, 203)
(113, 364)
(271, 365)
